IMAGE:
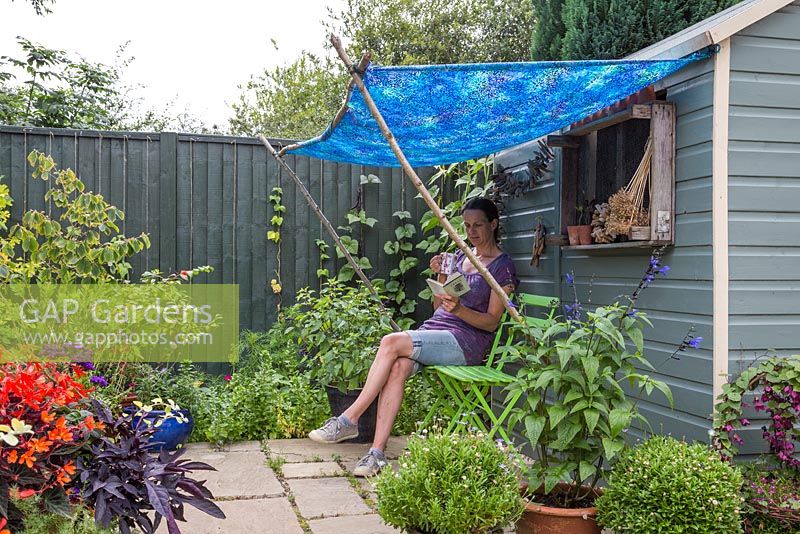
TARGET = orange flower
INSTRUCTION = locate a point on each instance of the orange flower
(24, 494)
(27, 458)
(39, 445)
(91, 424)
(12, 458)
(47, 417)
(65, 474)
(60, 431)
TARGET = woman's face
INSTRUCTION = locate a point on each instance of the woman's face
(479, 230)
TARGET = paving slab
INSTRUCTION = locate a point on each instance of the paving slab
(361, 524)
(305, 450)
(311, 470)
(249, 516)
(238, 446)
(326, 497)
(238, 474)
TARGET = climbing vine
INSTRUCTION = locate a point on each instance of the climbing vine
(396, 286)
(356, 216)
(775, 383)
(274, 235)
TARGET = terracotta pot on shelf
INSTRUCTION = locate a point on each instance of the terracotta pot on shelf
(580, 235)
(540, 519)
(585, 234)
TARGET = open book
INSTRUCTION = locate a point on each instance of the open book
(455, 285)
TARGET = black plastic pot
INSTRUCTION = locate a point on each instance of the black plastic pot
(366, 423)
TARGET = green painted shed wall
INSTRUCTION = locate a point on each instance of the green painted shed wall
(764, 194)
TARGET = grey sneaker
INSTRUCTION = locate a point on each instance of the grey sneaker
(368, 466)
(333, 431)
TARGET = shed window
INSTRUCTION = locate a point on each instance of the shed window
(601, 156)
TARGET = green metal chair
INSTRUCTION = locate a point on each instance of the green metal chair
(463, 393)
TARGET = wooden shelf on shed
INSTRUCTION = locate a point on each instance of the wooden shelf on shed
(625, 244)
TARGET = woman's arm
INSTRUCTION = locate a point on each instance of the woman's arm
(488, 321)
(436, 266)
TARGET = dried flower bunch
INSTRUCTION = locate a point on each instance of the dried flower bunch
(625, 208)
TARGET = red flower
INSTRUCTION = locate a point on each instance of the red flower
(227, 378)
(185, 275)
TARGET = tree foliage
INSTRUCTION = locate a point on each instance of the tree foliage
(610, 29)
(42, 7)
(52, 88)
(548, 31)
(292, 102)
(299, 100)
(409, 32)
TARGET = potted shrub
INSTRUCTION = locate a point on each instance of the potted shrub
(123, 480)
(338, 332)
(171, 425)
(576, 412)
(581, 233)
(42, 424)
(667, 486)
(451, 483)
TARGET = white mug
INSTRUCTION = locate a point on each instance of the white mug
(448, 263)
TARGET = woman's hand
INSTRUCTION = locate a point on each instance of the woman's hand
(436, 264)
(451, 304)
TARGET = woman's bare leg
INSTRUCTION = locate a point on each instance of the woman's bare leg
(390, 400)
(393, 346)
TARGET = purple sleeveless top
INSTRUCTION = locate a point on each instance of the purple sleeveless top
(473, 341)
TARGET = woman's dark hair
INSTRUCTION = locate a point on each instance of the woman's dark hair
(488, 208)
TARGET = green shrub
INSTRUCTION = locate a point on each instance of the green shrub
(338, 332)
(37, 521)
(664, 485)
(265, 404)
(451, 483)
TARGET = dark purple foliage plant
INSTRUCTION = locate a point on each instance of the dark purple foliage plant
(122, 478)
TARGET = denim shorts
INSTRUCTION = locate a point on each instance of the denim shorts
(435, 347)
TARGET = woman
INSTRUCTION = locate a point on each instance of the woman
(459, 333)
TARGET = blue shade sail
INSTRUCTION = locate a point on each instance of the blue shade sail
(443, 114)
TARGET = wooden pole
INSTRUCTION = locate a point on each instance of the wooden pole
(412, 175)
(310, 201)
(362, 65)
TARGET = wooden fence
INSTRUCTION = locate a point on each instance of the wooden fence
(203, 200)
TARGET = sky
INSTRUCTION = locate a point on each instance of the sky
(195, 53)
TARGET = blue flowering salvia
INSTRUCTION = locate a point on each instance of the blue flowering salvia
(570, 278)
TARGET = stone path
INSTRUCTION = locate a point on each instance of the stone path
(291, 486)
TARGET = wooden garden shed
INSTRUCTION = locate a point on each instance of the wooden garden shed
(728, 133)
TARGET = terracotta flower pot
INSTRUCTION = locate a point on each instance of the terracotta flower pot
(585, 234)
(574, 238)
(580, 235)
(540, 519)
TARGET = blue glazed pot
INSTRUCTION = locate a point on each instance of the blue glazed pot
(171, 434)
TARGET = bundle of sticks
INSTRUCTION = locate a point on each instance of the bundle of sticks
(627, 204)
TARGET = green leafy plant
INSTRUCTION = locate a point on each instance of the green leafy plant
(358, 216)
(395, 288)
(338, 331)
(79, 519)
(82, 244)
(773, 384)
(274, 235)
(668, 486)
(451, 483)
(777, 380)
(576, 412)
